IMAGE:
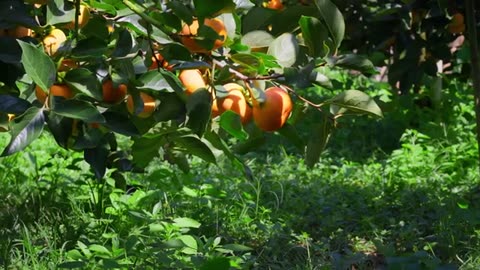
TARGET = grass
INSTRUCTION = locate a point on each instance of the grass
(401, 193)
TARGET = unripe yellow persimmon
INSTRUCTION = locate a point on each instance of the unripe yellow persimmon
(148, 105)
(234, 101)
(189, 32)
(83, 18)
(274, 112)
(192, 79)
(113, 94)
(53, 41)
(59, 90)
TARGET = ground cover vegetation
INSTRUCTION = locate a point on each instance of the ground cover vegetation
(238, 134)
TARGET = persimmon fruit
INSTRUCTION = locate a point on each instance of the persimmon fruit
(53, 41)
(112, 94)
(189, 32)
(192, 79)
(274, 4)
(272, 114)
(148, 105)
(83, 18)
(59, 90)
(235, 101)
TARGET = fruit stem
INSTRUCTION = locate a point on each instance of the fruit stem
(288, 89)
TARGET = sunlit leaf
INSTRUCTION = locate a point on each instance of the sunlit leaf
(38, 65)
(356, 102)
(25, 130)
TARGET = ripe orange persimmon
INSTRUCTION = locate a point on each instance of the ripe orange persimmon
(274, 4)
(19, 32)
(158, 59)
(60, 90)
(189, 32)
(83, 18)
(234, 101)
(192, 80)
(274, 112)
(67, 64)
(148, 105)
(113, 94)
(53, 41)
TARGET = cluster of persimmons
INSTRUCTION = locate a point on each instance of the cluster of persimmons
(269, 115)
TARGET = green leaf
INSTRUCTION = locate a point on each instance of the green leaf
(120, 123)
(124, 44)
(153, 80)
(285, 49)
(216, 263)
(199, 106)
(356, 102)
(72, 265)
(354, 62)
(333, 19)
(25, 129)
(77, 109)
(231, 123)
(237, 247)
(250, 63)
(84, 81)
(145, 149)
(99, 249)
(316, 37)
(257, 39)
(213, 8)
(12, 104)
(60, 127)
(90, 48)
(319, 136)
(97, 158)
(289, 132)
(186, 223)
(181, 10)
(59, 11)
(171, 107)
(190, 144)
(191, 245)
(38, 65)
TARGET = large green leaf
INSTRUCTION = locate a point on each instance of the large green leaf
(333, 19)
(191, 144)
(356, 102)
(154, 80)
(216, 263)
(213, 8)
(97, 158)
(231, 123)
(77, 109)
(84, 81)
(25, 129)
(285, 49)
(316, 37)
(145, 149)
(38, 65)
(199, 106)
(353, 62)
(12, 104)
(319, 135)
(257, 39)
(120, 123)
(90, 48)
(59, 11)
